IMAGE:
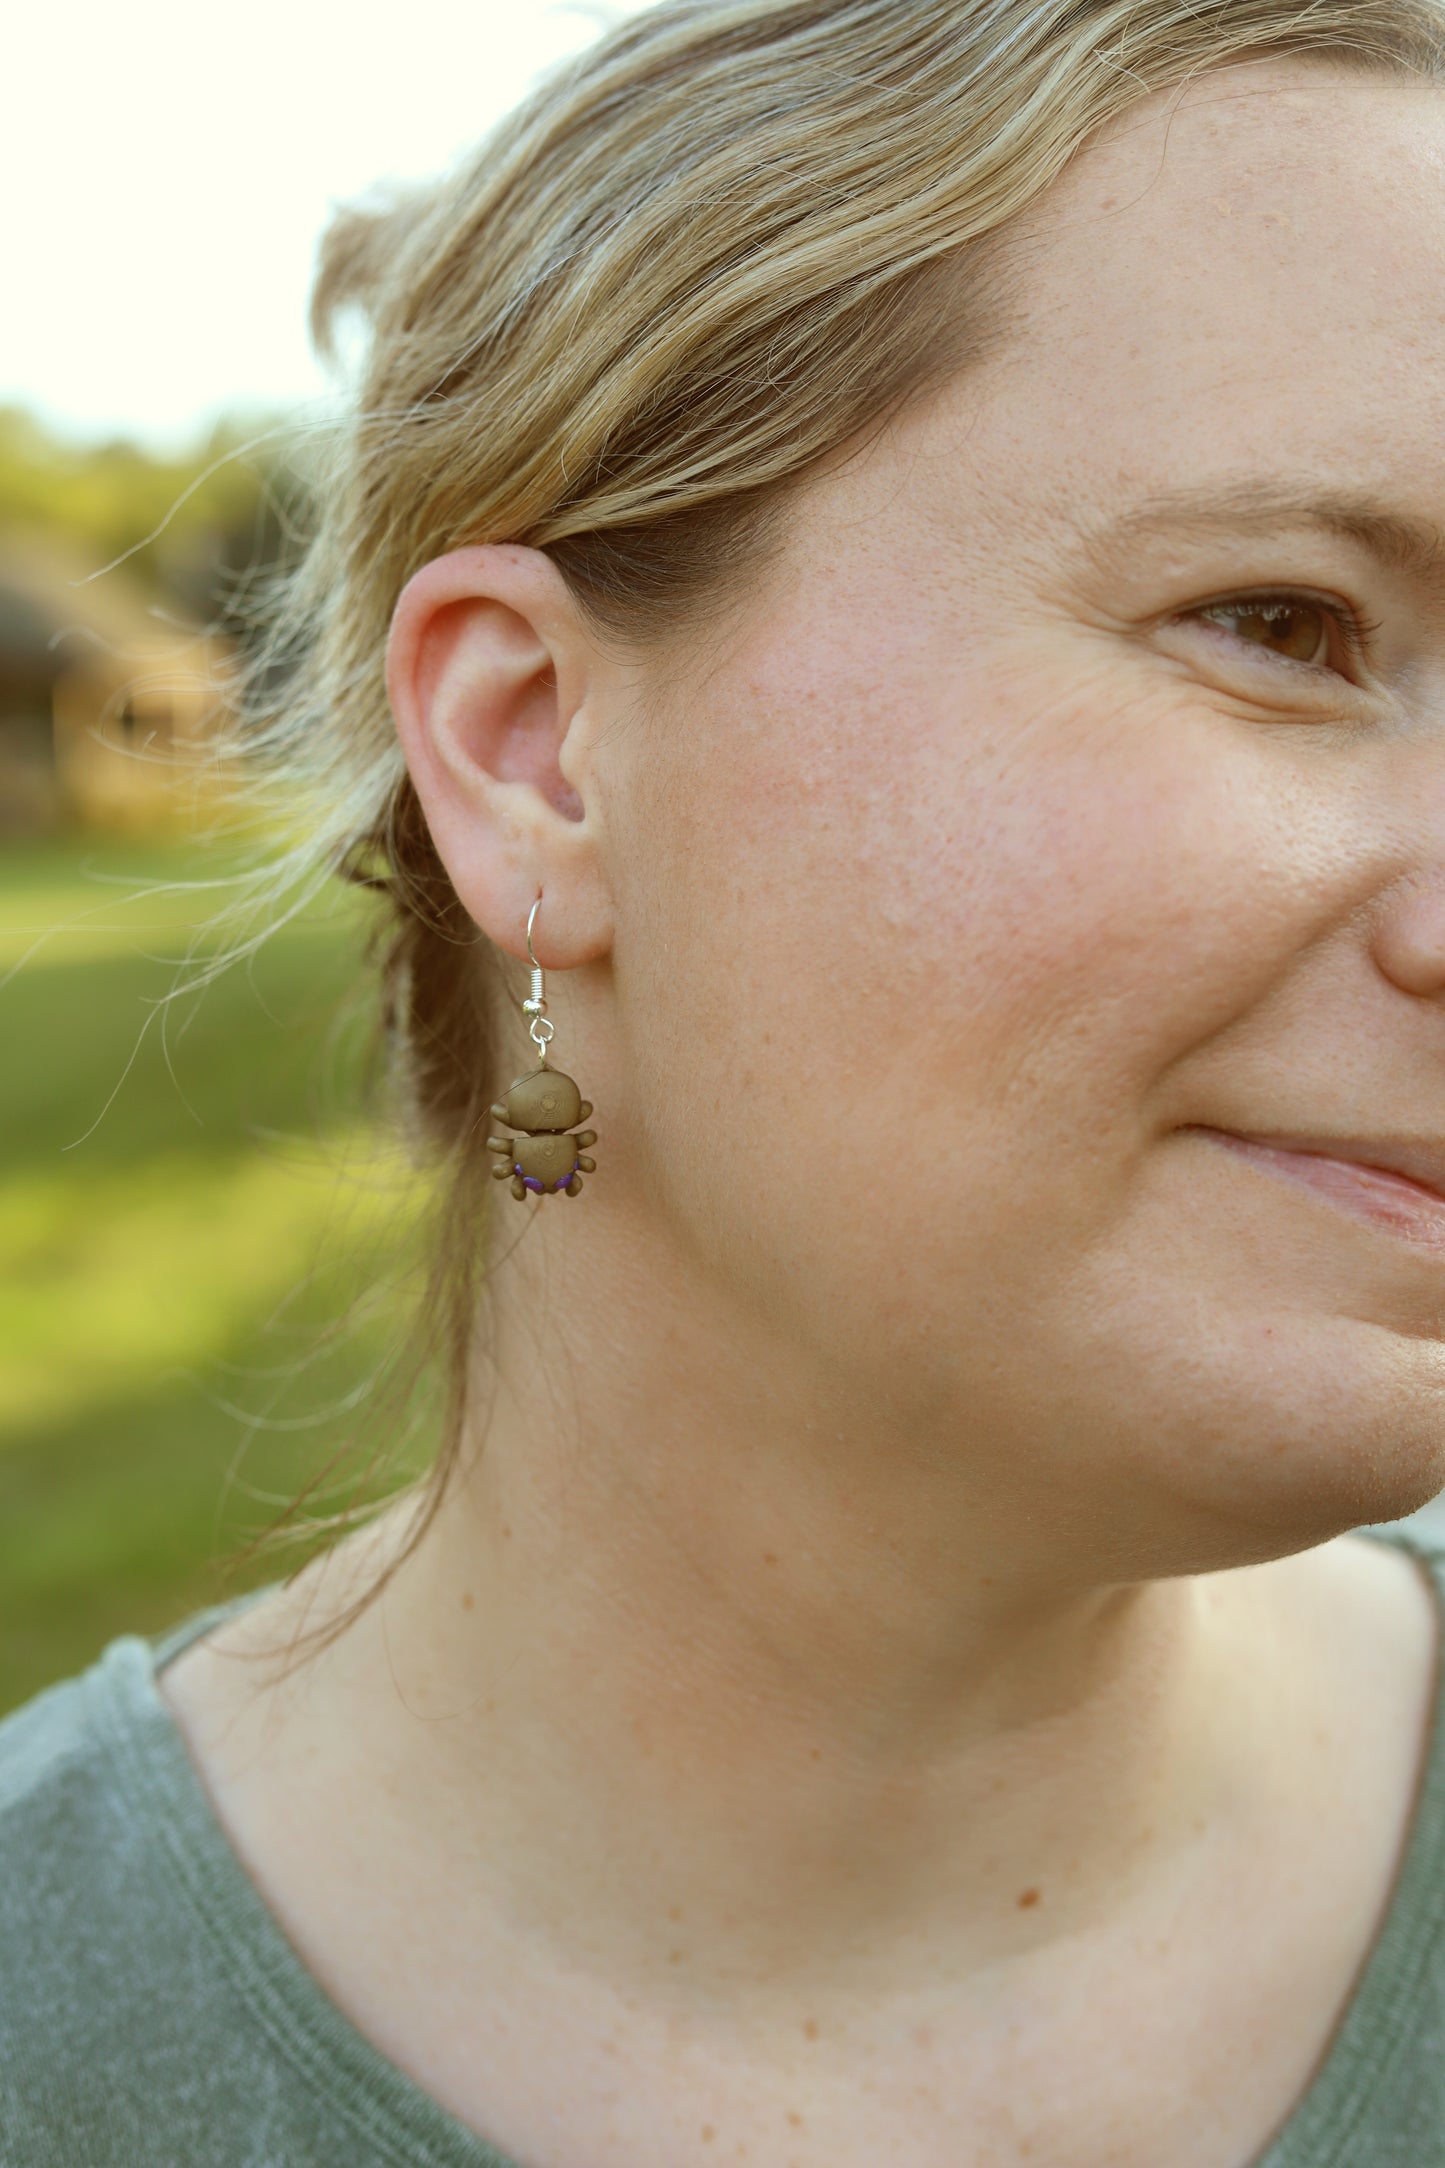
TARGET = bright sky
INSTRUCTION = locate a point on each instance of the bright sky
(166, 169)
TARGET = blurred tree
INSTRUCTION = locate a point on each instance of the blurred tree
(195, 528)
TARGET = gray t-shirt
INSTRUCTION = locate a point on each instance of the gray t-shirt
(153, 2013)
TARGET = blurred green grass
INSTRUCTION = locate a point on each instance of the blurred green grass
(191, 1202)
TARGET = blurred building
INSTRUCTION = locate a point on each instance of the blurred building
(110, 703)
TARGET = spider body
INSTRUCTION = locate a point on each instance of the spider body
(543, 1105)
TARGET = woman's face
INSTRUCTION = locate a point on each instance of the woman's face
(982, 884)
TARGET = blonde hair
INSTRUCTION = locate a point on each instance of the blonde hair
(695, 261)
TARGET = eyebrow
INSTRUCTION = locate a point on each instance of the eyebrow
(1269, 506)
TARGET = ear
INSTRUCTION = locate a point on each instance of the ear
(494, 685)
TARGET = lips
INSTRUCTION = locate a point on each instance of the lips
(1417, 1162)
(1398, 1183)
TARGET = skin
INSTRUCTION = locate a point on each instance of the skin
(895, 1684)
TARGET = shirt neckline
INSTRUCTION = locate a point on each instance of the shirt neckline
(404, 2124)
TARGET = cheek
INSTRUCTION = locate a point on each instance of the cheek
(911, 976)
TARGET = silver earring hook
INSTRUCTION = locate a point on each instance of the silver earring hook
(541, 1029)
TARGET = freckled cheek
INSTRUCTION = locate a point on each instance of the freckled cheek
(1030, 916)
(767, 895)
(1100, 923)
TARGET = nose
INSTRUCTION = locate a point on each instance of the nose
(1409, 940)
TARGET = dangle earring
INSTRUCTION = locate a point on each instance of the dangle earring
(544, 1104)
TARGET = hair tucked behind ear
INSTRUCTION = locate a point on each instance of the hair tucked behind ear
(695, 262)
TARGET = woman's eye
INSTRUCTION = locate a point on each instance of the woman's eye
(1291, 628)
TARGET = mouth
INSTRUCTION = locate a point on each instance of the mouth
(1398, 1183)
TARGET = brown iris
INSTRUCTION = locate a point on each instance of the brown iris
(1290, 627)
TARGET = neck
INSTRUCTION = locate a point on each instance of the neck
(714, 1657)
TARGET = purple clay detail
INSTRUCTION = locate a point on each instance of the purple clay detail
(541, 1187)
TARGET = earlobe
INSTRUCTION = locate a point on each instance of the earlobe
(487, 673)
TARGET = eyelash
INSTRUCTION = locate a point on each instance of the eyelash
(1355, 629)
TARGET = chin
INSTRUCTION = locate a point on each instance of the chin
(1285, 1368)
(1271, 1434)
(1301, 1491)
(1391, 1489)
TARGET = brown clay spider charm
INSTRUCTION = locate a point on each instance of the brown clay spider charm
(544, 1104)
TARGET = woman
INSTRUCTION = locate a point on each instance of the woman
(898, 545)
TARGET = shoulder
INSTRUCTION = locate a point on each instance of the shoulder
(70, 1901)
(62, 1834)
(122, 2035)
(151, 2007)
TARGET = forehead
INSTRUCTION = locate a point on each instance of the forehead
(1245, 274)
(1233, 174)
